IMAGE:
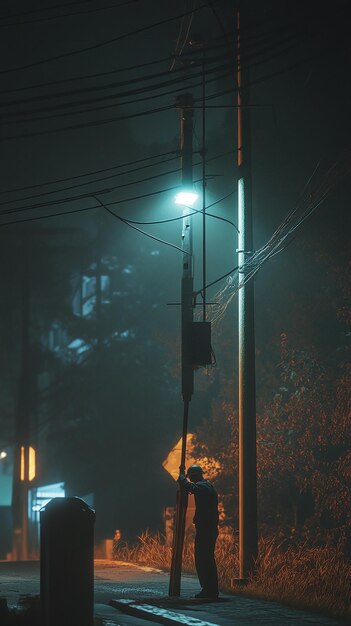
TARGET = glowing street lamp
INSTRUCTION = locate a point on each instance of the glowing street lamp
(186, 198)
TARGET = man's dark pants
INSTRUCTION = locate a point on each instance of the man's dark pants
(205, 542)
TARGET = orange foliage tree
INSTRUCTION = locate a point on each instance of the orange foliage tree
(303, 445)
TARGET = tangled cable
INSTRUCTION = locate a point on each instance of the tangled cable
(284, 234)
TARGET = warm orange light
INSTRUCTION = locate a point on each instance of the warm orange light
(22, 462)
(32, 468)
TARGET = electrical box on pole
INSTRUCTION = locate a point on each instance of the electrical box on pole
(200, 350)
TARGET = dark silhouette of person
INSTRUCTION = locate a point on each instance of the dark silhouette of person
(206, 525)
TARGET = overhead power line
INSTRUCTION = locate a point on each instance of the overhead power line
(4, 16)
(113, 105)
(20, 22)
(129, 68)
(84, 196)
(139, 230)
(101, 44)
(82, 209)
(102, 122)
(64, 81)
(91, 173)
(114, 85)
(147, 112)
(96, 180)
(193, 212)
(91, 208)
(127, 222)
(160, 109)
(104, 97)
(90, 124)
(88, 194)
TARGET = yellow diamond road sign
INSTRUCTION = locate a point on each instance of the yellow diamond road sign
(172, 462)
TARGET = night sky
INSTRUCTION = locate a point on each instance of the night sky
(90, 86)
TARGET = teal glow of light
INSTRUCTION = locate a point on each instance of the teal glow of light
(186, 198)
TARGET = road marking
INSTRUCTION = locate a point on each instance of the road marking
(115, 564)
(156, 614)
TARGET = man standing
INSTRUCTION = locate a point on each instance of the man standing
(206, 525)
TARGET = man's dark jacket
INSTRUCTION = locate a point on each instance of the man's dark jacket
(206, 501)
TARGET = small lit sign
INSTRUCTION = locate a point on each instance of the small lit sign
(45, 493)
(28, 463)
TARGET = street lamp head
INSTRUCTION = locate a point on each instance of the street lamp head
(186, 198)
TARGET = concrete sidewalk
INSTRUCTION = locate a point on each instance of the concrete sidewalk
(145, 585)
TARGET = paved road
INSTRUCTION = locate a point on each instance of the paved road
(122, 580)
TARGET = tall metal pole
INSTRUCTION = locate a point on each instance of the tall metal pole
(185, 103)
(203, 191)
(22, 435)
(248, 541)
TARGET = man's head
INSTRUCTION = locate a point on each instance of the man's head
(195, 473)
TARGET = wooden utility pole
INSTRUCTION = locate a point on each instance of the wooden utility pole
(185, 104)
(247, 393)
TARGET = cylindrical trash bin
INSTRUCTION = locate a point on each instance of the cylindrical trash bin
(67, 562)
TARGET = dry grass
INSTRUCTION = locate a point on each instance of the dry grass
(149, 550)
(311, 577)
(315, 578)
